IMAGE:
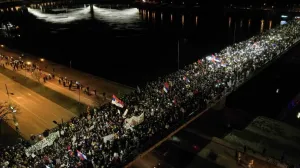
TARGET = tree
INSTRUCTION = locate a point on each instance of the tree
(8, 111)
(37, 75)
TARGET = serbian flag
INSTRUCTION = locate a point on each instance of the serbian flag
(166, 87)
(117, 102)
(199, 61)
(70, 150)
(81, 155)
(186, 79)
(214, 59)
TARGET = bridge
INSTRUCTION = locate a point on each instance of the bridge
(218, 103)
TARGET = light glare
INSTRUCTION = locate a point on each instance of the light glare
(76, 14)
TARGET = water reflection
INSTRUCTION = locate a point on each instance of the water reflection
(270, 24)
(262, 25)
(119, 19)
(153, 17)
(196, 21)
(249, 23)
(161, 17)
(241, 23)
(171, 18)
(229, 22)
(182, 20)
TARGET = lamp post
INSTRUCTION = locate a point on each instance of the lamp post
(7, 92)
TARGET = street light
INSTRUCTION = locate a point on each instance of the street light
(298, 116)
(2, 46)
(28, 63)
(42, 59)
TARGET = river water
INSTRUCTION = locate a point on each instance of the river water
(129, 45)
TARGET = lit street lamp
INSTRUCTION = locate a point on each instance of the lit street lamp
(42, 59)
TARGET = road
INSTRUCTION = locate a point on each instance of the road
(35, 113)
(90, 100)
(94, 82)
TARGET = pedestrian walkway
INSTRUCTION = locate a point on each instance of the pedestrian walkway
(97, 85)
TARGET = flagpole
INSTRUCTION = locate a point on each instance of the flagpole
(7, 92)
(178, 54)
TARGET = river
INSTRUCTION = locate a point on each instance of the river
(128, 45)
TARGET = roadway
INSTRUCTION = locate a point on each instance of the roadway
(94, 82)
(35, 113)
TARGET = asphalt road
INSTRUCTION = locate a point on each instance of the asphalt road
(35, 113)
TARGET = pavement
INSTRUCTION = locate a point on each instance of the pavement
(95, 83)
(35, 113)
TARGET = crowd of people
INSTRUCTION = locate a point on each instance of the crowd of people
(102, 138)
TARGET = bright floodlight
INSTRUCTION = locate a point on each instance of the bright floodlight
(118, 18)
(277, 91)
(298, 116)
(76, 14)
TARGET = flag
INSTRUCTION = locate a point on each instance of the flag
(166, 87)
(199, 61)
(117, 102)
(186, 79)
(81, 155)
(214, 59)
(70, 151)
